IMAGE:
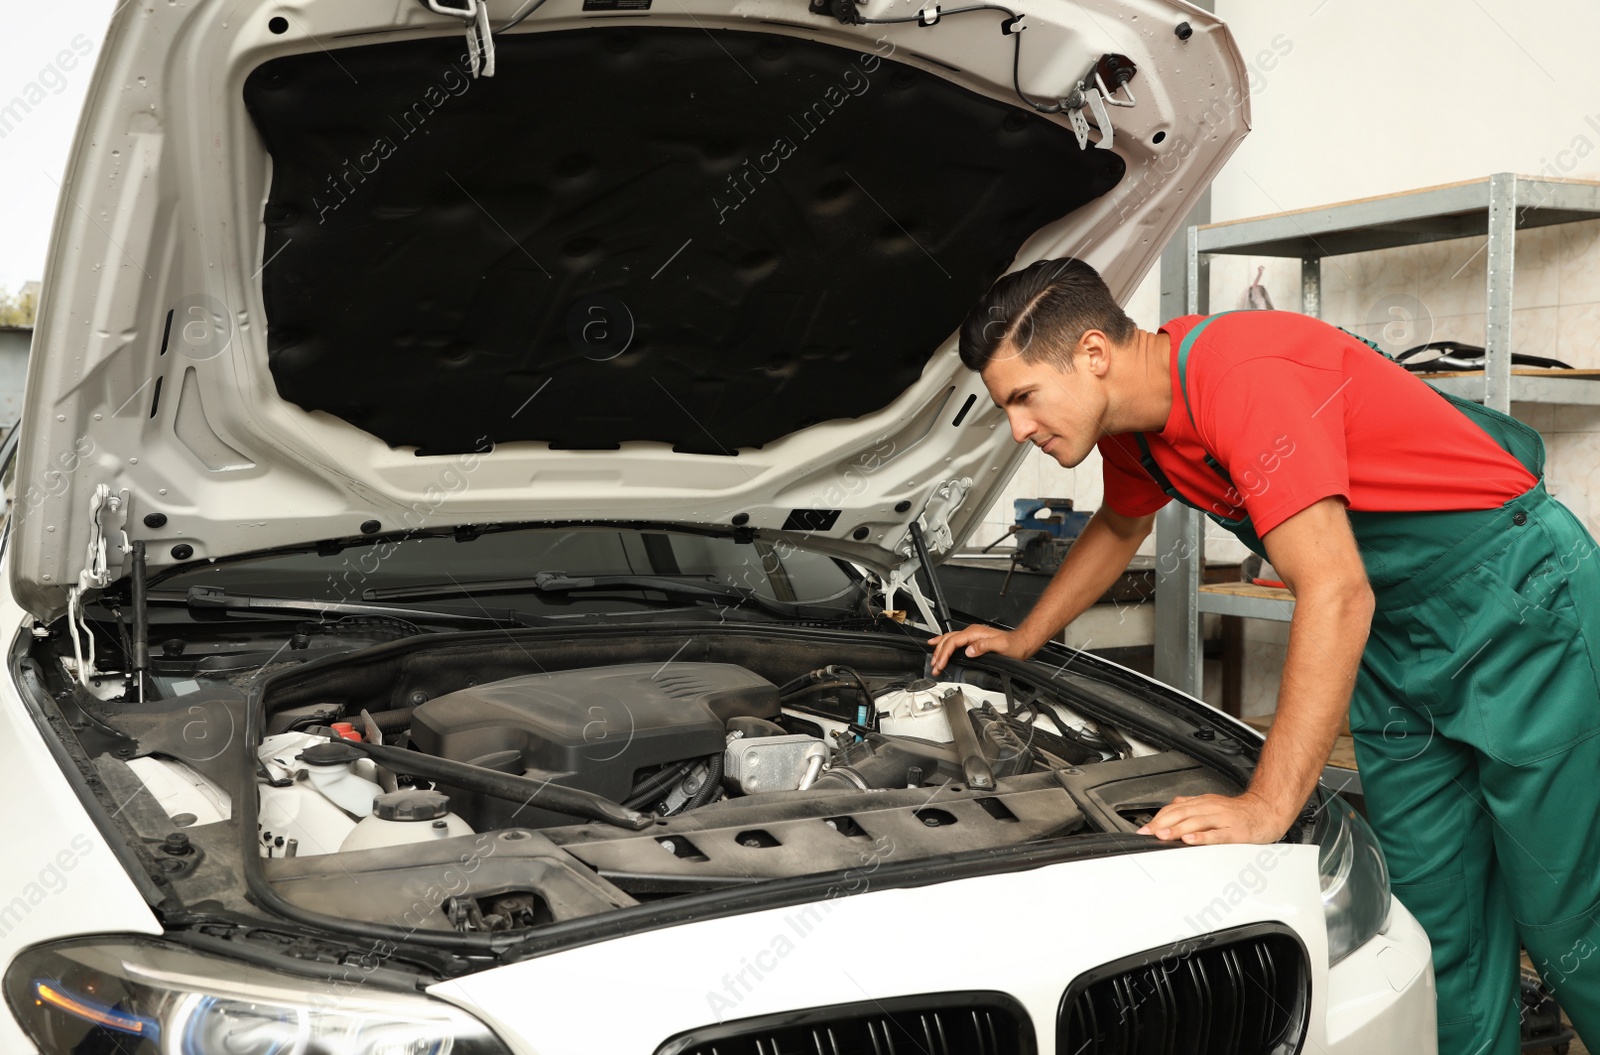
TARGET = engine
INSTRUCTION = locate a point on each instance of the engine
(601, 729)
(643, 739)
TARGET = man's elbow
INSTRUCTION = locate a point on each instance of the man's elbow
(1348, 598)
(1361, 601)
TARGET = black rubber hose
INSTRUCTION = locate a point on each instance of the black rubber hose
(393, 721)
(833, 674)
(1073, 753)
(709, 788)
(816, 686)
(804, 680)
(833, 677)
(557, 798)
(652, 787)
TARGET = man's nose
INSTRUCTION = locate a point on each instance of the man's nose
(1022, 426)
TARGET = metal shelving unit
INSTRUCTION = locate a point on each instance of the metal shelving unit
(1499, 206)
(1258, 603)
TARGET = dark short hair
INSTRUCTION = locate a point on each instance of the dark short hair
(1042, 311)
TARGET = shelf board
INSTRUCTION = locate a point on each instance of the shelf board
(1579, 387)
(1428, 214)
(1246, 599)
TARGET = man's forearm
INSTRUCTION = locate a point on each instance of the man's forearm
(1100, 554)
(1326, 638)
(1315, 553)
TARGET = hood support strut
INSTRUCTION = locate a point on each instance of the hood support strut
(939, 606)
(141, 620)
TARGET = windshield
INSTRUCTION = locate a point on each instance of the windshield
(510, 560)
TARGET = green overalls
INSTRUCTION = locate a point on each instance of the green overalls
(1475, 716)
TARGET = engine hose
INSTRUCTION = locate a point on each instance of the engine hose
(651, 788)
(1109, 739)
(815, 686)
(835, 676)
(392, 721)
(1067, 750)
(832, 678)
(709, 788)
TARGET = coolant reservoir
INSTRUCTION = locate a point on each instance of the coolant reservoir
(296, 821)
(410, 816)
(331, 770)
(278, 753)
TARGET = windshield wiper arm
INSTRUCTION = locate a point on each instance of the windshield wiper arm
(215, 597)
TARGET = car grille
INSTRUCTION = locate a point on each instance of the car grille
(1240, 992)
(970, 1023)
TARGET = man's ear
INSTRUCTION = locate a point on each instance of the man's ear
(1093, 353)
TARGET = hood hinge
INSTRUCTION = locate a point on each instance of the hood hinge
(935, 520)
(109, 515)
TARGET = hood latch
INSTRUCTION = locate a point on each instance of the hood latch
(1094, 92)
(480, 41)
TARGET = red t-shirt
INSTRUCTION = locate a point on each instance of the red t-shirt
(1297, 411)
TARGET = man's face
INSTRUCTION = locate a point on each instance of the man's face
(1059, 411)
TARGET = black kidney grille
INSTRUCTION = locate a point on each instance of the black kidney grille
(1245, 992)
(980, 1023)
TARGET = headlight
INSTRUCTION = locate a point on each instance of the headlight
(1355, 880)
(139, 996)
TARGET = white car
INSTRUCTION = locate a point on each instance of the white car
(465, 572)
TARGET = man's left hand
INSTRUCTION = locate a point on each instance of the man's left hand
(1204, 819)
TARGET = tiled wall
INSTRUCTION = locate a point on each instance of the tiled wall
(1399, 298)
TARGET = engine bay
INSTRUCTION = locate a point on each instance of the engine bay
(462, 785)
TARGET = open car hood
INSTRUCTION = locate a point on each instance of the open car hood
(699, 264)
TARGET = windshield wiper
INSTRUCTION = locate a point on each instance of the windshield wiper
(699, 587)
(216, 598)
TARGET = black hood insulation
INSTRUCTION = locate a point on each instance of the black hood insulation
(707, 239)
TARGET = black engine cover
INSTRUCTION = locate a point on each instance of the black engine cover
(594, 728)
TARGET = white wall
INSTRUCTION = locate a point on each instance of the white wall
(1375, 97)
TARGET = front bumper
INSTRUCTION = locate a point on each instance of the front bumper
(1026, 934)
(1381, 997)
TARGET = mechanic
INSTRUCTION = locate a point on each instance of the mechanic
(1442, 596)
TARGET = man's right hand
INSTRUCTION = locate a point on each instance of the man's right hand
(979, 640)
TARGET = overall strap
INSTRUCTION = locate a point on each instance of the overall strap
(1184, 349)
(1147, 459)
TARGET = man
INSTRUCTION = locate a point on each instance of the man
(1434, 579)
